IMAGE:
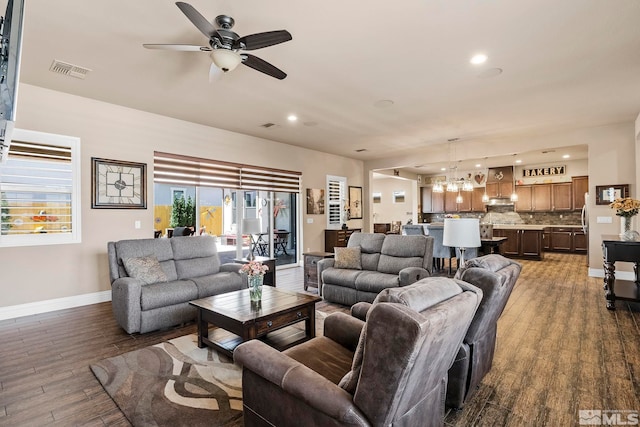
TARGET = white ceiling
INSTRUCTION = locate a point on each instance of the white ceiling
(566, 64)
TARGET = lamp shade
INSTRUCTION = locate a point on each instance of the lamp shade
(225, 59)
(251, 226)
(461, 232)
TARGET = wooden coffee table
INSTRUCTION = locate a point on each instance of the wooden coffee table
(236, 313)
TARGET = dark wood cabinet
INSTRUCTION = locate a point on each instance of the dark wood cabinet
(499, 189)
(311, 267)
(580, 187)
(521, 243)
(337, 238)
(561, 196)
(541, 198)
(566, 239)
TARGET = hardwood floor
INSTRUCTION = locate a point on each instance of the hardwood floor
(559, 350)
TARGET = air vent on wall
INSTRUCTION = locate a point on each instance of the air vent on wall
(67, 69)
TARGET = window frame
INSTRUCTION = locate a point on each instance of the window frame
(75, 236)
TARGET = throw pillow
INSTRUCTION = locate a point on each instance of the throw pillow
(145, 269)
(348, 258)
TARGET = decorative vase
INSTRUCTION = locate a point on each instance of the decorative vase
(626, 233)
(255, 287)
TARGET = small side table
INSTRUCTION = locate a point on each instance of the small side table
(311, 268)
(270, 275)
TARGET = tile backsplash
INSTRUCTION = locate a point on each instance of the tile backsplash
(543, 218)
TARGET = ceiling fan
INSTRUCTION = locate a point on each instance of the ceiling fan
(226, 47)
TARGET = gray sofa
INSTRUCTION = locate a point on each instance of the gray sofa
(387, 261)
(189, 268)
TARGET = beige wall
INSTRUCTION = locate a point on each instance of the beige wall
(42, 273)
(387, 210)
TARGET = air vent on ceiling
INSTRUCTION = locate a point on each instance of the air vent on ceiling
(360, 150)
(67, 69)
(267, 125)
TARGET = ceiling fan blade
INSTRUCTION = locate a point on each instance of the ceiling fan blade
(215, 73)
(179, 47)
(262, 66)
(197, 19)
(260, 40)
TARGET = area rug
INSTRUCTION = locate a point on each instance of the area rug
(175, 383)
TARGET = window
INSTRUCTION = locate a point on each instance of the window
(336, 201)
(40, 190)
(398, 197)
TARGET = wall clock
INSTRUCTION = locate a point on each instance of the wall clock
(118, 185)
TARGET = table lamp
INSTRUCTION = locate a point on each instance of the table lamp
(461, 233)
(251, 226)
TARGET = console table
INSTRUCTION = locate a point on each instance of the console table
(615, 249)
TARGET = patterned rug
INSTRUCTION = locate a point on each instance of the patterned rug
(175, 383)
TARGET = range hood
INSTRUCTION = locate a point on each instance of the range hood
(500, 201)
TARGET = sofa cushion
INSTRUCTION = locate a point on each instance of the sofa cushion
(216, 284)
(348, 258)
(324, 356)
(400, 252)
(373, 281)
(341, 277)
(160, 248)
(145, 269)
(370, 246)
(195, 256)
(168, 293)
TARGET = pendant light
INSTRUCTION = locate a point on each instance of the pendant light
(514, 195)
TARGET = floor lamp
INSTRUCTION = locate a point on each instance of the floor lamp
(461, 233)
(251, 226)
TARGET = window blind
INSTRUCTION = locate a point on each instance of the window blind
(185, 170)
(36, 189)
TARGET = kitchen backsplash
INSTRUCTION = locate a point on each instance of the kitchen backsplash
(544, 218)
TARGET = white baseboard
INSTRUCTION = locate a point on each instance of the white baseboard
(38, 307)
(622, 275)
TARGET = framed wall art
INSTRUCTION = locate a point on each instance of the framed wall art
(118, 184)
(315, 201)
(606, 194)
(355, 202)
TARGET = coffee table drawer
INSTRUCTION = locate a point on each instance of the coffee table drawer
(284, 319)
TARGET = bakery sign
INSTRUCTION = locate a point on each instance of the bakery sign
(546, 171)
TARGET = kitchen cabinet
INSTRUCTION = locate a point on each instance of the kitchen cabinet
(525, 200)
(466, 205)
(521, 243)
(541, 198)
(499, 189)
(337, 238)
(477, 205)
(450, 204)
(561, 196)
(437, 202)
(580, 187)
(425, 199)
(566, 239)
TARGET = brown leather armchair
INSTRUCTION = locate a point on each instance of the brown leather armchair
(389, 370)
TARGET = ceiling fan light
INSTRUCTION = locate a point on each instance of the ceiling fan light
(226, 60)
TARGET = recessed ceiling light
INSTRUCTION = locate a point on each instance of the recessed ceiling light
(292, 117)
(518, 161)
(480, 58)
(478, 165)
(566, 156)
(443, 169)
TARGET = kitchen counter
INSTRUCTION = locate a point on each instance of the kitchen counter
(532, 226)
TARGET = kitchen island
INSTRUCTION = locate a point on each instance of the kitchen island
(523, 240)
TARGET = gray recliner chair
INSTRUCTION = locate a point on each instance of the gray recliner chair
(496, 276)
(388, 371)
